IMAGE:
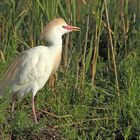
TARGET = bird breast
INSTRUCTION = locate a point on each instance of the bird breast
(56, 61)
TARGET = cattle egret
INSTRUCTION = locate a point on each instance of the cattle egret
(29, 72)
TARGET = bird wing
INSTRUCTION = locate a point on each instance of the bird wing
(10, 73)
(23, 70)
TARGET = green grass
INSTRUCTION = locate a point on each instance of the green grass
(96, 94)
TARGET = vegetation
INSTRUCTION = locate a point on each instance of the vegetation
(96, 92)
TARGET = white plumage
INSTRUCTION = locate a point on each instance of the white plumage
(29, 72)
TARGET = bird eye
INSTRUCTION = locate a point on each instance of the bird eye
(65, 27)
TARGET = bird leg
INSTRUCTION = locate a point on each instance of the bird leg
(33, 110)
(13, 101)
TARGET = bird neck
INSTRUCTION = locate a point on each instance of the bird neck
(56, 41)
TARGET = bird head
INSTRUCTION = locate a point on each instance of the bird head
(56, 28)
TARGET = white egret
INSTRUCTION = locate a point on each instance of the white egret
(29, 72)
